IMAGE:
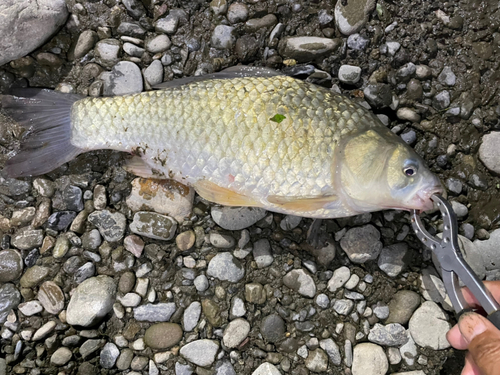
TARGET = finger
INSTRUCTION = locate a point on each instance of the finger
(484, 342)
(470, 368)
(492, 286)
(456, 339)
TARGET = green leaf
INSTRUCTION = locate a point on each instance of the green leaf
(277, 118)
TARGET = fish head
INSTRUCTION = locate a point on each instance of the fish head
(379, 171)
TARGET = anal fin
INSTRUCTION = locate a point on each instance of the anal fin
(302, 204)
(214, 193)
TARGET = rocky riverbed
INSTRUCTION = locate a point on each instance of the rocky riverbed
(102, 272)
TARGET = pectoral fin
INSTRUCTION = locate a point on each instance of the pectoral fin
(137, 166)
(214, 193)
(302, 204)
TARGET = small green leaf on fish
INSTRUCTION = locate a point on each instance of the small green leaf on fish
(277, 118)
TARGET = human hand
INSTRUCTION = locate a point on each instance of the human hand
(476, 334)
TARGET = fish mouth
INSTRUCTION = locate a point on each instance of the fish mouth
(422, 199)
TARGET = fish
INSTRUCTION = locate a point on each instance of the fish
(245, 136)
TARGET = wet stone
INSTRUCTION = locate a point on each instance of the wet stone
(262, 253)
(84, 272)
(108, 356)
(91, 240)
(134, 244)
(126, 282)
(237, 12)
(107, 52)
(201, 283)
(61, 220)
(290, 222)
(332, 350)
(378, 95)
(61, 247)
(237, 218)
(235, 332)
(225, 267)
(407, 114)
(307, 48)
(369, 359)
(211, 309)
(160, 312)
(428, 326)
(34, 276)
(153, 225)
(51, 297)
(340, 276)
(92, 300)
(45, 188)
(89, 347)
(68, 198)
(441, 100)
(61, 356)
(317, 361)
(30, 308)
(222, 37)
(191, 316)
(27, 238)
(124, 359)
(168, 24)
(349, 74)
(301, 282)
(351, 17)
(273, 328)
(489, 152)
(343, 306)
(111, 225)
(163, 336)
(222, 241)
(391, 259)
(131, 29)
(200, 352)
(447, 77)
(185, 240)
(255, 24)
(357, 42)
(362, 244)
(254, 293)
(124, 78)
(389, 335)
(454, 185)
(11, 265)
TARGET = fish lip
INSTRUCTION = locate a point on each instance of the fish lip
(422, 199)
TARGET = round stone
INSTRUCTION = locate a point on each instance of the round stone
(124, 78)
(158, 44)
(237, 12)
(273, 328)
(185, 240)
(34, 276)
(111, 225)
(351, 16)
(222, 37)
(109, 355)
(153, 225)
(11, 265)
(235, 332)
(126, 282)
(489, 152)
(200, 352)
(369, 359)
(362, 244)
(428, 326)
(163, 336)
(61, 356)
(225, 267)
(349, 74)
(51, 297)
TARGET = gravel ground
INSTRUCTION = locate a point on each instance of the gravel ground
(105, 273)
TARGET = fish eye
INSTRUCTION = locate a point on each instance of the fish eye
(410, 170)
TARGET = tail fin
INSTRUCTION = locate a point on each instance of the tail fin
(47, 116)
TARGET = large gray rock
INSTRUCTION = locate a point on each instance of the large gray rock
(91, 301)
(369, 359)
(489, 152)
(428, 326)
(26, 24)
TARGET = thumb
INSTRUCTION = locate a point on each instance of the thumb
(484, 342)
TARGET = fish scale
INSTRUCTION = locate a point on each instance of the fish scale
(222, 131)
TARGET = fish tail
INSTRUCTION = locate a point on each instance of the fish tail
(46, 114)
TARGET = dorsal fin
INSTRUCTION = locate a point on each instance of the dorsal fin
(231, 72)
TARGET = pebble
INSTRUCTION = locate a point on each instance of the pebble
(34, 276)
(61, 220)
(238, 308)
(441, 100)
(91, 301)
(432, 287)
(22, 217)
(454, 185)
(133, 50)
(108, 356)
(237, 218)
(158, 44)
(393, 334)
(349, 74)
(378, 95)
(11, 265)
(125, 78)
(317, 361)
(134, 244)
(134, 8)
(91, 240)
(201, 283)
(254, 293)
(200, 352)
(340, 276)
(428, 326)
(447, 77)
(44, 331)
(299, 48)
(390, 48)
(332, 350)
(222, 241)
(409, 351)
(153, 74)
(153, 225)
(111, 225)
(266, 368)
(489, 152)
(161, 336)
(255, 24)
(45, 188)
(488, 248)
(61, 247)
(273, 328)
(85, 43)
(222, 37)
(343, 306)
(362, 244)
(290, 222)
(408, 114)
(237, 12)
(369, 359)
(322, 301)
(262, 253)
(351, 17)
(392, 259)
(126, 282)
(357, 42)
(107, 51)
(225, 267)
(30, 308)
(89, 347)
(160, 312)
(51, 297)
(130, 300)
(27, 25)
(27, 238)
(191, 316)
(61, 356)
(301, 282)
(352, 282)
(235, 333)
(168, 24)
